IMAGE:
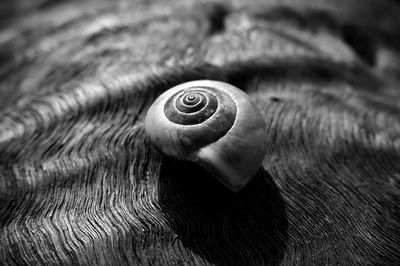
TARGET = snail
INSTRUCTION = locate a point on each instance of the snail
(213, 124)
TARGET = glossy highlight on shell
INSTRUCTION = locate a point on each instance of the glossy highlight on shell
(213, 124)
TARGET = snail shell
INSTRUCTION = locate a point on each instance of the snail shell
(213, 124)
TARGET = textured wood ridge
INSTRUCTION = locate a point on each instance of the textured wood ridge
(80, 184)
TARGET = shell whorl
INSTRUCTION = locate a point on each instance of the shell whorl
(204, 113)
(213, 124)
(192, 101)
(192, 105)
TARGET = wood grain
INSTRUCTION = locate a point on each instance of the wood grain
(81, 185)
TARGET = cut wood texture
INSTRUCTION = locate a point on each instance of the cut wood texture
(80, 183)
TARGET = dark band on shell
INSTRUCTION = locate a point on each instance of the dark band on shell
(196, 105)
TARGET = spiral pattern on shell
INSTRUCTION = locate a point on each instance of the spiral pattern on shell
(213, 124)
(191, 106)
(194, 106)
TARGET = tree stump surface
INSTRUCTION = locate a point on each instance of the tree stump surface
(80, 183)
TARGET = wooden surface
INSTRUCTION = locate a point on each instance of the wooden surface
(81, 185)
